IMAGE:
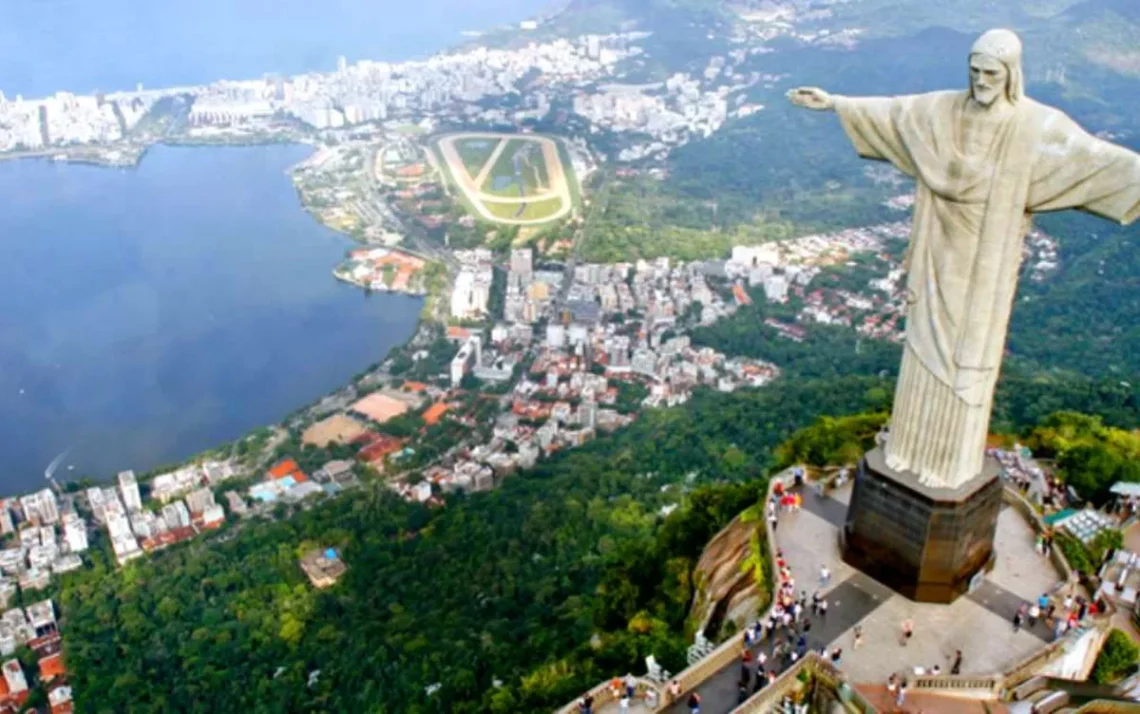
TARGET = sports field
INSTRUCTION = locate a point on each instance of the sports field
(508, 178)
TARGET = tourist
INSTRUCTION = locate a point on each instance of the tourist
(858, 640)
(815, 603)
(1017, 617)
(615, 687)
(1034, 613)
(823, 608)
(956, 668)
(674, 691)
(623, 703)
(1059, 628)
(773, 520)
(630, 684)
(797, 502)
(586, 704)
(742, 692)
(902, 693)
(936, 670)
(694, 703)
(892, 686)
(824, 576)
(836, 655)
(746, 664)
(907, 630)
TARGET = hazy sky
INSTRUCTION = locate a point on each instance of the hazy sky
(84, 45)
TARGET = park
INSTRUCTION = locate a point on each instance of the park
(508, 179)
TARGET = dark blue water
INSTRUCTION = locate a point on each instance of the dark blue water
(84, 45)
(148, 314)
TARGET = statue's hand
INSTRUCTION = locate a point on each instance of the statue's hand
(811, 98)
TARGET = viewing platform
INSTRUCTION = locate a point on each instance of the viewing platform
(995, 657)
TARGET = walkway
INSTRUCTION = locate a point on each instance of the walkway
(979, 624)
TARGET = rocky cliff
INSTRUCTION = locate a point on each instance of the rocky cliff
(725, 593)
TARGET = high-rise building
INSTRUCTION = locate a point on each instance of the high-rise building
(200, 500)
(74, 533)
(522, 261)
(6, 524)
(129, 489)
(341, 64)
(41, 507)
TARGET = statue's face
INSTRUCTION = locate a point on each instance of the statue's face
(988, 79)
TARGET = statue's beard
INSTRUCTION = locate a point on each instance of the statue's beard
(987, 99)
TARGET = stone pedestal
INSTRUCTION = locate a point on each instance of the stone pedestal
(929, 544)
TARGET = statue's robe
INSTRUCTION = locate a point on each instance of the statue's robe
(973, 201)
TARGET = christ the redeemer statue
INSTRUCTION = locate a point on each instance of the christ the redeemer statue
(983, 160)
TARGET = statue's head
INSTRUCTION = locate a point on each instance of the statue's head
(995, 68)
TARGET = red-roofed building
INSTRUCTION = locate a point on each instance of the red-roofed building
(52, 667)
(288, 467)
(283, 469)
(379, 447)
(458, 334)
(60, 700)
(13, 685)
(435, 412)
(740, 296)
(415, 387)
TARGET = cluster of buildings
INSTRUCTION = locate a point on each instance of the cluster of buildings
(67, 119)
(36, 628)
(49, 536)
(471, 291)
(383, 269)
(446, 85)
(185, 508)
(671, 113)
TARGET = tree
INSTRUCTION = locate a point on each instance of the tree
(1118, 658)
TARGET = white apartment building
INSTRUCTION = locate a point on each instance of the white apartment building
(129, 489)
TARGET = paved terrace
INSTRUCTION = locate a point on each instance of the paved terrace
(980, 623)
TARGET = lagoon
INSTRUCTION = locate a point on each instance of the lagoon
(148, 314)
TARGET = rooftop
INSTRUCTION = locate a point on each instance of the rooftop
(380, 407)
(323, 566)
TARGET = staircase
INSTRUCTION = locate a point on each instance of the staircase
(1048, 695)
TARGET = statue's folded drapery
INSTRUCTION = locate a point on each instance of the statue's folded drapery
(971, 214)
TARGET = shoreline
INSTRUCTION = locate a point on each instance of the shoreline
(424, 295)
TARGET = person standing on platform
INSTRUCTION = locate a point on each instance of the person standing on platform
(956, 668)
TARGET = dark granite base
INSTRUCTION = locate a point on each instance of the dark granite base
(926, 543)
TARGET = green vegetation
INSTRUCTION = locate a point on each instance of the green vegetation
(571, 550)
(832, 441)
(475, 153)
(1118, 658)
(1076, 554)
(1089, 456)
(533, 211)
(504, 168)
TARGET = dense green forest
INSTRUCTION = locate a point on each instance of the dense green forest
(521, 578)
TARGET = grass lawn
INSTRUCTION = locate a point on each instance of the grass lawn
(475, 153)
(536, 211)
